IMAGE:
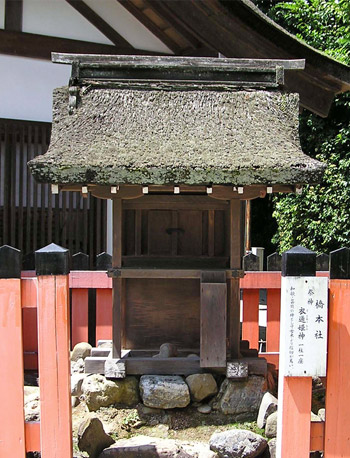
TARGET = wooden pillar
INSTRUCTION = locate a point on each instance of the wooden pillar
(12, 438)
(52, 267)
(337, 437)
(234, 290)
(118, 283)
(213, 319)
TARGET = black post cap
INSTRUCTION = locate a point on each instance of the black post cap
(52, 260)
(274, 262)
(250, 262)
(80, 261)
(322, 262)
(10, 262)
(103, 261)
(339, 264)
(299, 262)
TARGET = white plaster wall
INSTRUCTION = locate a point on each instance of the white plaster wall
(58, 18)
(26, 87)
(2, 14)
(127, 25)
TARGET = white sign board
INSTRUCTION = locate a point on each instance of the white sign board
(303, 338)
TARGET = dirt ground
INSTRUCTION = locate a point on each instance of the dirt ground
(184, 424)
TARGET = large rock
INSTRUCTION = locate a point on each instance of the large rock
(164, 391)
(76, 382)
(322, 414)
(32, 403)
(271, 425)
(201, 386)
(272, 448)
(100, 392)
(32, 410)
(241, 398)
(268, 405)
(154, 447)
(81, 350)
(237, 443)
(92, 437)
(77, 367)
(29, 391)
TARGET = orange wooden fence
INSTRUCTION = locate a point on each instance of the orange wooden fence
(48, 296)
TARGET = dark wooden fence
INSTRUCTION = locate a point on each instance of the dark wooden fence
(30, 216)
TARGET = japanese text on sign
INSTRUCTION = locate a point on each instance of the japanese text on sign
(304, 325)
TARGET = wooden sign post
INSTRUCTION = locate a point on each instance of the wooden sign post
(303, 348)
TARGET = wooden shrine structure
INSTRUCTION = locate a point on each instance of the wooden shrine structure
(177, 144)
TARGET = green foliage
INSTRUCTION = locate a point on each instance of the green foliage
(323, 24)
(319, 218)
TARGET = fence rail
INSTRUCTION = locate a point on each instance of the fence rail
(97, 320)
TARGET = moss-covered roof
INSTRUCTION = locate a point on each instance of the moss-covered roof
(118, 136)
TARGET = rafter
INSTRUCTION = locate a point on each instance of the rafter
(99, 23)
(13, 15)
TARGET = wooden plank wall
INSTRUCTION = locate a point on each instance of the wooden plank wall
(175, 232)
(30, 216)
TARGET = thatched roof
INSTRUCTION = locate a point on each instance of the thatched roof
(119, 135)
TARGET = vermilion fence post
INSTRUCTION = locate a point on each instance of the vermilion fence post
(337, 431)
(52, 268)
(273, 320)
(80, 315)
(250, 324)
(12, 433)
(80, 303)
(104, 314)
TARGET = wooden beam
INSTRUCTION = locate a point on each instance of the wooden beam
(138, 365)
(219, 192)
(169, 273)
(41, 46)
(99, 23)
(13, 15)
(176, 202)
